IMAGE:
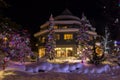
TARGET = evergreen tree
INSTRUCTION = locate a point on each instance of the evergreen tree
(84, 38)
(89, 43)
(50, 43)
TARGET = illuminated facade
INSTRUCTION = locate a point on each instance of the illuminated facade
(66, 27)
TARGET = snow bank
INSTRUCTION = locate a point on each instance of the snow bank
(36, 69)
(17, 66)
(105, 68)
(86, 71)
(60, 68)
(72, 67)
(45, 66)
(79, 65)
(29, 69)
(115, 67)
(66, 68)
(93, 70)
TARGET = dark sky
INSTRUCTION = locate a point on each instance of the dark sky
(33, 13)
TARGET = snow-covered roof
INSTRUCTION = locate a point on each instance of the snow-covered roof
(65, 16)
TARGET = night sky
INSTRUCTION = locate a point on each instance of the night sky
(32, 13)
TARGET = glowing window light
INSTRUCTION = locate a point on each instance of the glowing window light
(68, 36)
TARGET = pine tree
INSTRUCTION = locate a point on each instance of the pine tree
(87, 39)
(83, 38)
(50, 43)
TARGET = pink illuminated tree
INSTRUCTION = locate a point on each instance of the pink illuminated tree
(14, 43)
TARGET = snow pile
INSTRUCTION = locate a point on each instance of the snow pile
(66, 68)
(72, 67)
(115, 67)
(29, 69)
(42, 67)
(15, 65)
(105, 68)
(45, 66)
(61, 68)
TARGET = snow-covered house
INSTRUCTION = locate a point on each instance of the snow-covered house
(66, 27)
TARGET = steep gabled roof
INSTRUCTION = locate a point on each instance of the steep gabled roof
(66, 12)
(67, 15)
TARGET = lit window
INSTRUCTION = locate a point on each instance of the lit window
(43, 39)
(68, 36)
(55, 27)
(57, 36)
(41, 52)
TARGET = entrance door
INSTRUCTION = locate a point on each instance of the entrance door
(64, 52)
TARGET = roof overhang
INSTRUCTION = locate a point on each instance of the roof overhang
(61, 22)
(56, 30)
(64, 30)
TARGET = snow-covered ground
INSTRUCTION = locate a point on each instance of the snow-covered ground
(65, 71)
(70, 68)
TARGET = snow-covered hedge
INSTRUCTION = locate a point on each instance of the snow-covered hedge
(67, 68)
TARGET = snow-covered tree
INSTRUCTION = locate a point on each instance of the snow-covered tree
(50, 43)
(106, 40)
(14, 43)
(89, 43)
(83, 38)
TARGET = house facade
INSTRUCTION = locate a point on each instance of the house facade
(66, 27)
